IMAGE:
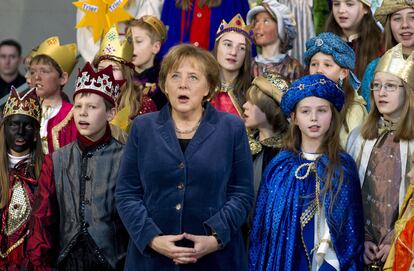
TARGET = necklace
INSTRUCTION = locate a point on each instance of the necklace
(188, 131)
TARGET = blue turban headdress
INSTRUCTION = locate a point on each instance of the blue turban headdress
(317, 85)
(330, 44)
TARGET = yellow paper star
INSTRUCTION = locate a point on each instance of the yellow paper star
(116, 12)
(100, 15)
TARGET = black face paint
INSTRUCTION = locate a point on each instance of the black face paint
(20, 132)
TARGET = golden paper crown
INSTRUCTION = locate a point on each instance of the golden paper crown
(113, 49)
(272, 85)
(28, 105)
(65, 55)
(389, 7)
(235, 25)
(101, 83)
(393, 62)
(155, 23)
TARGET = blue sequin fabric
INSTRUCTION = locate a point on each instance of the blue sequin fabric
(275, 234)
(317, 85)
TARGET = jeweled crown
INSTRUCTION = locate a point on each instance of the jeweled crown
(236, 24)
(64, 55)
(393, 62)
(102, 83)
(113, 48)
(28, 104)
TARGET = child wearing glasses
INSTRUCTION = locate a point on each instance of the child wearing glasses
(381, 148)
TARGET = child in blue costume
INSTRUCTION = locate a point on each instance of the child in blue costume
(308, 213)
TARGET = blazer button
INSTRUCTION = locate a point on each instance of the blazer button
(181, 165)
(178, 206)
(180, 186)
(87, 178)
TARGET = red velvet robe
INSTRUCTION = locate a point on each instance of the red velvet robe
(25, 219)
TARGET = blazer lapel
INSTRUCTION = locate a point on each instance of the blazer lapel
(166, 131)
(207, 127)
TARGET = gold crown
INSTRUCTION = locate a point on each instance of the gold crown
(389, 7)
(28, 105)
(393, 62)
(235, 25)
(155, 23)
(113, 49)
(65, 55)
(272, 85)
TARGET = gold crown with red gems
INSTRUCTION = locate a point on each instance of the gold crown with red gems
(28, 104)
(236, 24)
(101, 83)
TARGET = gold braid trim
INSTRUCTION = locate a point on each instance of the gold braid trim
(313, 208)
(14, 246)
(58, 128)
(235, 102)
(305, 218)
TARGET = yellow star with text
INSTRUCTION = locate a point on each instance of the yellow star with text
(100, 15)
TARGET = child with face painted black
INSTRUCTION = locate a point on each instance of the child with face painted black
(25, 194)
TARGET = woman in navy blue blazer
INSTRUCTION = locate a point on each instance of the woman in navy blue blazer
(185, 184)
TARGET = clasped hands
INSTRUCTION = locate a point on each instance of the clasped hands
(375, 253)
(203, 245)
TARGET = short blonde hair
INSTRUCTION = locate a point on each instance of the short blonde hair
(153, 34)
(177, 54)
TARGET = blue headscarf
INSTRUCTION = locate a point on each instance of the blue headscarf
(330, 44)
(317, 85)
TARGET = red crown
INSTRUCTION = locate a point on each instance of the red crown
(102, 83)
(28, 105)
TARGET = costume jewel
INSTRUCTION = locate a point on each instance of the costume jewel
(393, 62)
(64, 55)
(19, 209)
(102, 82)
(28, 104)
(236, 24)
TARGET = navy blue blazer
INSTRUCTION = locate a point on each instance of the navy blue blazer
(162, 190)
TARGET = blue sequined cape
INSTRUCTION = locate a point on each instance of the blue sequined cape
(275, 235)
